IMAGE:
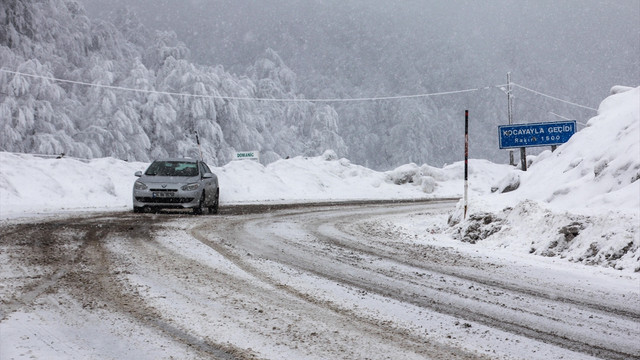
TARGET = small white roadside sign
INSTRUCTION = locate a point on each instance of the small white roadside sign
(248, 155)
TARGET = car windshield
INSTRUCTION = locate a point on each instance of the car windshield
(172, 168)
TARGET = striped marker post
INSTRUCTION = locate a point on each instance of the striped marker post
(466, 161)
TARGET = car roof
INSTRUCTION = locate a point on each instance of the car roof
(178, 159)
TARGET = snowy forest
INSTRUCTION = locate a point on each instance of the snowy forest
(55, 39)
(220, 78)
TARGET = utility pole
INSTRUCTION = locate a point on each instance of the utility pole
(510, 112)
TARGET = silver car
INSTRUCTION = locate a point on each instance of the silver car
(177, 183)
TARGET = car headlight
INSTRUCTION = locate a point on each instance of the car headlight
(190, 187)
(138, 185)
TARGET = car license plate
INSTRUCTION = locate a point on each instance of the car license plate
(162, 194)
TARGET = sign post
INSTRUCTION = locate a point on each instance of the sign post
(523, 158)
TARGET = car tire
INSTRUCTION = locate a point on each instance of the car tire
(199, 210)
(138, 209)
(214, 208)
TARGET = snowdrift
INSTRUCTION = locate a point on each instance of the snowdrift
(35, 185)
(322, 178)
(598, 168)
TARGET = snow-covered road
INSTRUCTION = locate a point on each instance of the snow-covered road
(321, 282)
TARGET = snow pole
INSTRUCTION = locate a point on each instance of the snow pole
(199, 146)
(510, 113)
(466, 161)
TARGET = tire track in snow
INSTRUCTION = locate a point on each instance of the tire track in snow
(234, 233)
(255, 228)
(593, 346)
(71, 250)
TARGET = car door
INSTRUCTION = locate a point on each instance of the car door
(208, 184)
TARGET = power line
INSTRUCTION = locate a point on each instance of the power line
(553, 97)
(549, 111)
(398, 97)
(123, 88)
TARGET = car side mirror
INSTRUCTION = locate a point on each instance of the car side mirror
(207, 175)
(138, 173)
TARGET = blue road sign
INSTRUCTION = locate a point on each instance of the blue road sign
(539, 134)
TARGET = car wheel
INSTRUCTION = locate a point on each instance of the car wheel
(138, 209)
(214, 208)
(199, 210)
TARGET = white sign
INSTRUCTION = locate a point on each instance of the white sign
(248, 155)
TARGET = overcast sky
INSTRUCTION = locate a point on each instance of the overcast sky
(595, 41)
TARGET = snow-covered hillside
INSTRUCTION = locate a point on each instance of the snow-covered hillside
(581, 202)
(598, 168)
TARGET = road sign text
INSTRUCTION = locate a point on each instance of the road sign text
(539, 134)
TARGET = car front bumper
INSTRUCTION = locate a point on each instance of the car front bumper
(166, 198)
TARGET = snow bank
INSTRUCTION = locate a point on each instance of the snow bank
(299, 179)
(450, 179)
(598, 168)
(30, 184)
